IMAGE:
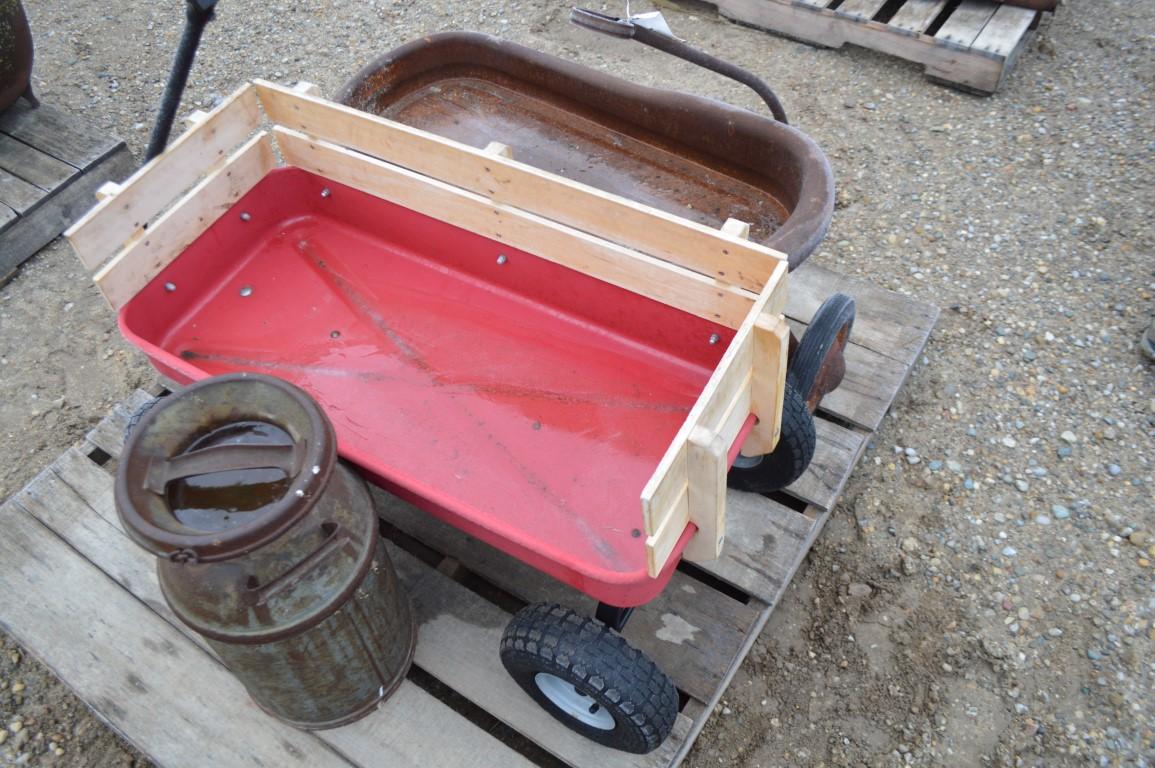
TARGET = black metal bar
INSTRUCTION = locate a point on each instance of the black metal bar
(626, 29)
(198, 13)
(612, 616)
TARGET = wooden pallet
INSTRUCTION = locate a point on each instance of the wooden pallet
(51, 164)
(972, 44)
(84, 599)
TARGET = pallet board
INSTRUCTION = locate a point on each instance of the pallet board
(77, 591)
(970, 44)
(51, 164)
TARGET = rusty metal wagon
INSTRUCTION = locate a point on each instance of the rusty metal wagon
(497, 334)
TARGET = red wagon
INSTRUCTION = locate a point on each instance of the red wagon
(561, 372)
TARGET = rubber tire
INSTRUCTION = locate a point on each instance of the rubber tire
(137, 415)
(836, 313)
(601, 664)
(791, 456)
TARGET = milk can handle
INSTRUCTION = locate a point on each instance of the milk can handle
(338, 540)
(224, 458)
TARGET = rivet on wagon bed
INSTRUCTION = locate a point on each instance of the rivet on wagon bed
(502, 259)
(326, 192)
(715, 338)
(246, 216)
(246, 291)
(170, 287)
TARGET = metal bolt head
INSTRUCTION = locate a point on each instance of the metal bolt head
(326, 192)
(170, 287)
(502, 259)
(246, 291)
(715, 338)
(246, 216)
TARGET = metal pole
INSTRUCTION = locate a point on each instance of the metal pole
(198, 13)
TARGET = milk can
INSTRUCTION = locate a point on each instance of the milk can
(268, 547)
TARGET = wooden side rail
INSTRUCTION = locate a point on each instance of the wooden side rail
(689, 485)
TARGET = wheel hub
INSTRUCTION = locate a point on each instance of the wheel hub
(573, 702)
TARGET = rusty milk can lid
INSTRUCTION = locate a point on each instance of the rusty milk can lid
(223, 467)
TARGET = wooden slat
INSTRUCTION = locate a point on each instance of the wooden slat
(28, 234)
(115, 654)
(872, 380)
(767, 383)
(74, 498)
(457, 643)
(7, 216)
(1006, 30)
(708, 251)
(916, 15)
(836, 454)
(863, 9)
(943, 59)
(966, 22)
(56, 133)
(133, 268)
(892, 325)
(37, 168)
(18, 194)
(764, 543)
(634, 271)
(152, 188)
(690, 630)
(108, 435)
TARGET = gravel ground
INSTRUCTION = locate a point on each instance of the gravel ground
(984, 594)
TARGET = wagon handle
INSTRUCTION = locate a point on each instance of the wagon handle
(651, 29)
(198, 13)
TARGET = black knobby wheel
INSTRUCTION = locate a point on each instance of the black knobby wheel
(589, 677)
(791, 457)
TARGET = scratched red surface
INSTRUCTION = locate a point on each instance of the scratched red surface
(521, 401)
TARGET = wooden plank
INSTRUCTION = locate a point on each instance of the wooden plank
(871, 383)
(7, 215)
(74, 498)
(764, 541)
(943, 59)
(133, 268)
(835, 455)
(116, 655)
(29, 234)
(153, 187)
(1005, 32)
(966, 22)
(37, 168)
(862, 9)
(690, 630)
(18, 194)
(706, 468)
(54, 132)
(916, 15)
(632, 270)
(457, 643)
(768, 383)
(108, 435)
(892, 325)
(706, 250)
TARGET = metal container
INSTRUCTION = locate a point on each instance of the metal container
(15, 54)
(269, 547)
(697, 158)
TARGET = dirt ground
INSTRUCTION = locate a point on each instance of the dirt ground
(984, 594)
